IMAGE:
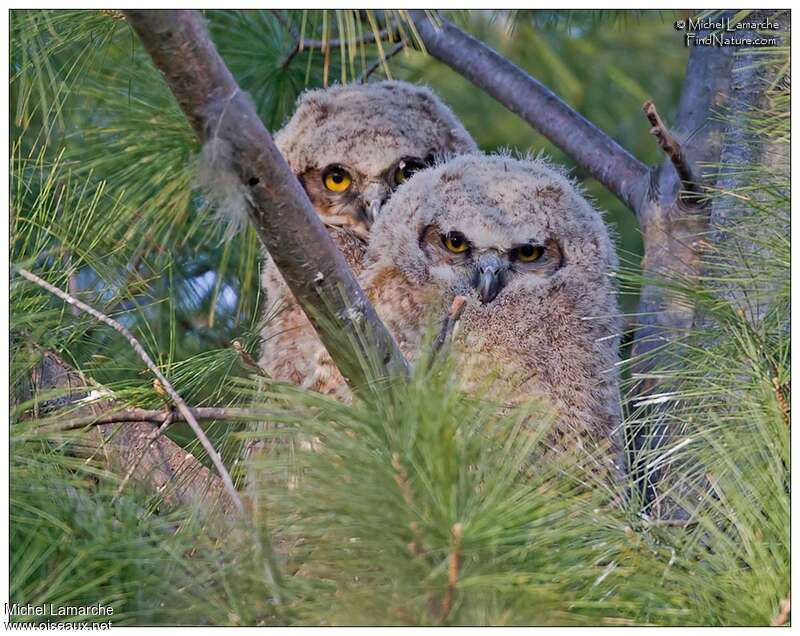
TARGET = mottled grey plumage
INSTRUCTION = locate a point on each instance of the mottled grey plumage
(375, 135)
(541, 315)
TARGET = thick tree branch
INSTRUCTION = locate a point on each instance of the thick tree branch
(608, 162)
(670, 231)
(284, 218)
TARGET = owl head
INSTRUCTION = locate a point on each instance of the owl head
(351, 146)
(492, 228)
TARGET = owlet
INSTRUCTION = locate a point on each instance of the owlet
(351, 147)
(534, 260)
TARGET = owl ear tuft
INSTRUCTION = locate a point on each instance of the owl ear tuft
(314, 106)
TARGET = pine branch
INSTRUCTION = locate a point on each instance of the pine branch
(153, 416)
(173, 394)
(619, 171)
(165, 466)
(284, 218)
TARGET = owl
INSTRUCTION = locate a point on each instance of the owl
(350, 146)
(535, 263)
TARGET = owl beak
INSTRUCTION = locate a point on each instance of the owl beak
(373, 208)
(489, 277)
(374, 197)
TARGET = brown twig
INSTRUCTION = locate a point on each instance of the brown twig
(152, 416)
(783, 612)
(167, 468)
(182, 479)
(416, 548)
(449, 323)
(367, 38)
(691, 191)
(671, 523)
(452, 572)
(301, 44)
(176, 399)
(780, 396)
(400, 46)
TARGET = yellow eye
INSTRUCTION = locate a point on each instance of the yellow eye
(456, 242)
(406, 169)
(337, 180)
(529, 253)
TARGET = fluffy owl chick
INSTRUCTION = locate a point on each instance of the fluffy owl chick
(351, 147)
(533, 258)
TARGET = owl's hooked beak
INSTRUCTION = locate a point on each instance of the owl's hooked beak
(490, 276)
(374, 197)
(373, 208)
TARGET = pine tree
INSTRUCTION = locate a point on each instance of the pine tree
(420, 505)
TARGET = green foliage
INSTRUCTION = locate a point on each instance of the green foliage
(414, 504)
(724, 388)
(422, 505)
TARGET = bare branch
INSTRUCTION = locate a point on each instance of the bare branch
(166, 467)
(400, 46)
(449, 323)
(284, 218)
(454, 562)
(608, 162)
(305, 43)
(173, 394)
(690, 192)
(367, 38)
(151, 459)
(153, 416)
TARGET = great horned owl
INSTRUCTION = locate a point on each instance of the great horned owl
(534, 260)
(350, 146)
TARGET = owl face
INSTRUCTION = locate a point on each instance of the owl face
(457, 261)
(489, 227)
(345, 195)
(352, 145)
